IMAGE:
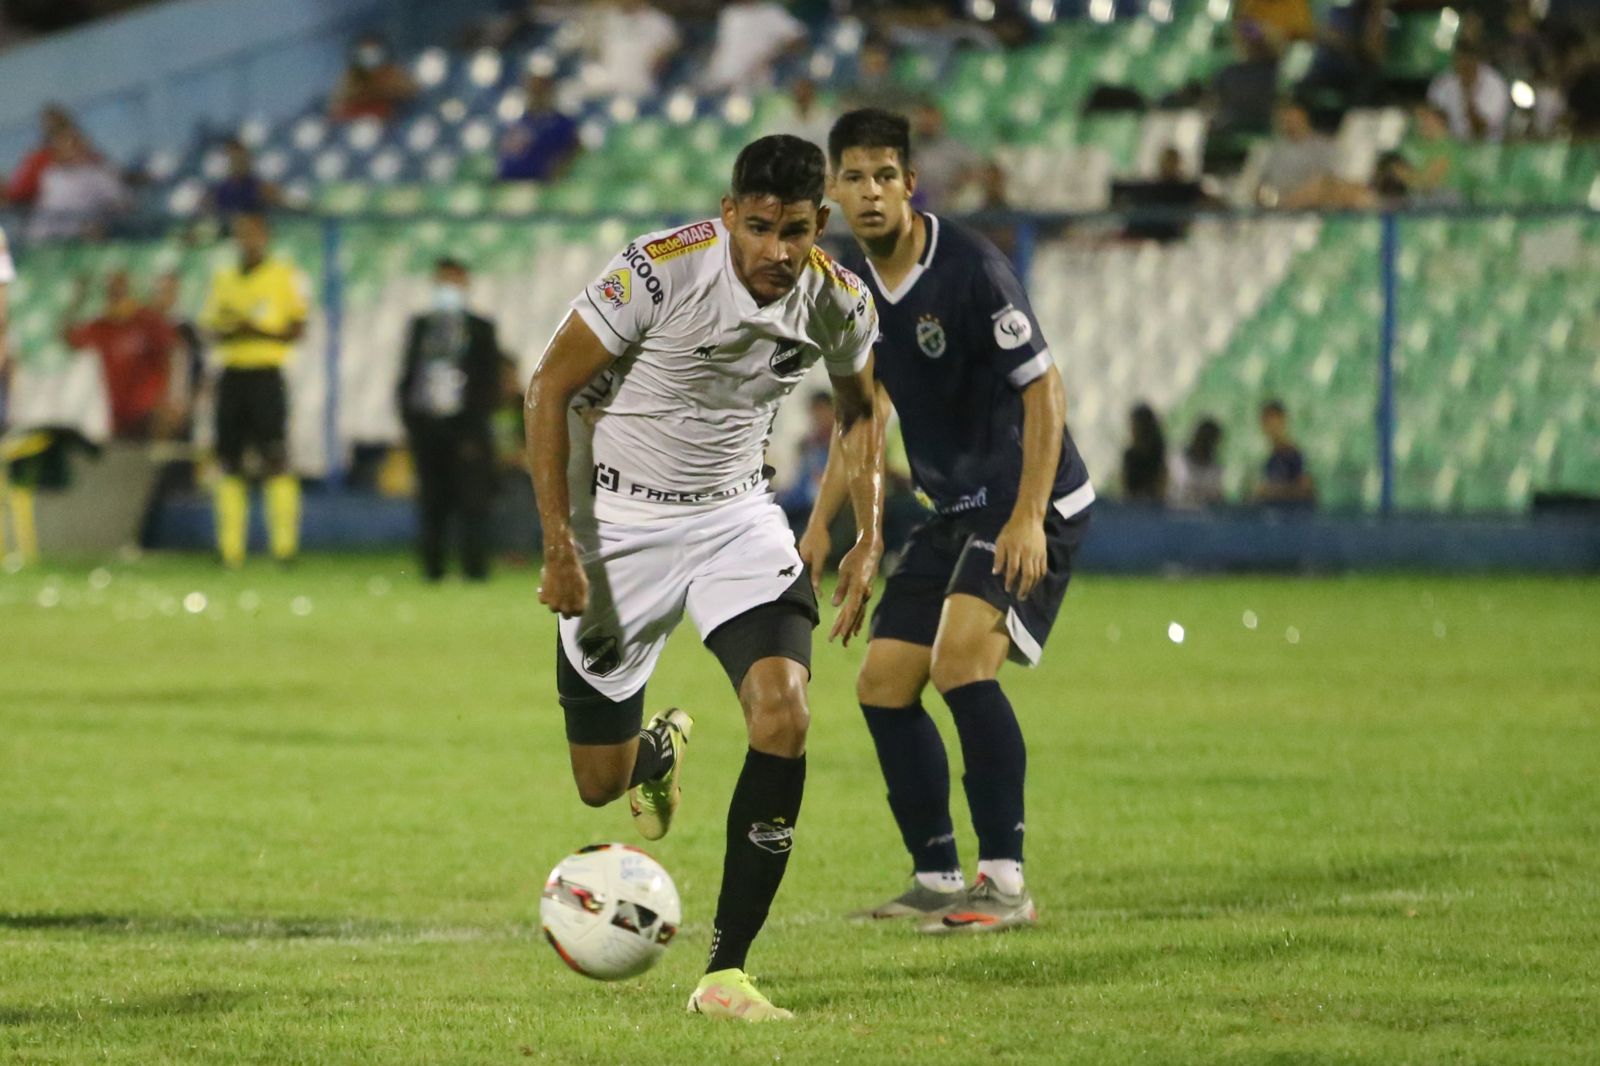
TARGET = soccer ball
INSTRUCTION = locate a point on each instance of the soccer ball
(610, 911)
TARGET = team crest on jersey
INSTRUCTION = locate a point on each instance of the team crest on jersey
(682, 242)
(789, 359)
(616, 288)
(1012, 328)
(930, 336)
(600, 654)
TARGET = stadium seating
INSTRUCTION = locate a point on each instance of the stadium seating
(1496, 385)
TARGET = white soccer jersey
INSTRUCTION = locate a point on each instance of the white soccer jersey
(679, 422)
(8, 270)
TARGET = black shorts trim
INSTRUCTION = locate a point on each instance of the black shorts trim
(592, 716)
(780, 629)
(947, 556)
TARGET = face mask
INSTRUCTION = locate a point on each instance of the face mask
(449, 299)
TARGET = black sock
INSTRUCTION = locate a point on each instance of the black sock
(656, 755)
(997, 761)
(915, 768)
(761, 818)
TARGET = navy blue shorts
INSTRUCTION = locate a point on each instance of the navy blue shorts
(950, 554)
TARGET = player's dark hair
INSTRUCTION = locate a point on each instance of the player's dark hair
(780, 165)
(1274, 407)
(449, 262)
(870, 127)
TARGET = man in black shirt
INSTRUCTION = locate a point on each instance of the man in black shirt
(982, 408)
(450, 386)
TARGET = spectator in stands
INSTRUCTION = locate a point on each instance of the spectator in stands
(1298, 157)
(1431, 152)
(633, 45)
(752, 35)
(1144, 461)
(23, 188)
(137, 347)
(945, 166)
(242, 191)
(807, 119)
(374, 85)
(79, 193)
(1284, 478)
(875, 84)
(1196, 472)
(452, 380)
(1279, 22)
(1159, 208)
(1583, 100)
(811, 460)
(1245, 89)
(541, 144)
(1473, 96)
(1348, 64)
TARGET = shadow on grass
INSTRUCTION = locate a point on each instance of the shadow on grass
(172, 1004)
(236, 928)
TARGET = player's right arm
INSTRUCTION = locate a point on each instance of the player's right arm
(816, 543)
(572, 358)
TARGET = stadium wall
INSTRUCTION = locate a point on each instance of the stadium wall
(1122, 539)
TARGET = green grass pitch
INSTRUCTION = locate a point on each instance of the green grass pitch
(303, 817)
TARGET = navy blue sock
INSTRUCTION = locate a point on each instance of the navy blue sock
(917, 772)
(997, 761)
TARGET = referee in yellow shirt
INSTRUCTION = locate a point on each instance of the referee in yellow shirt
(255, 314)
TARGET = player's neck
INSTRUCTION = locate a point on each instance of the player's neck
(893, 255)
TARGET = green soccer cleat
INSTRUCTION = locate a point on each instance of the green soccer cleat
(919, 901)
(655, 802)
(983, 908)
(733, 994)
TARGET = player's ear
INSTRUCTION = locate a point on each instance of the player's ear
(822, 218)
(729, 213)
(829, 186)
(911, 182)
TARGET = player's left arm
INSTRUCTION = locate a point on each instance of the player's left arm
(1019, 550)
(858, 443)
(1018, 350)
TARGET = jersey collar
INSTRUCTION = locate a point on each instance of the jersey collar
(922, 264)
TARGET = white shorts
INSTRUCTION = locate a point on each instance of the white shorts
(719, 564)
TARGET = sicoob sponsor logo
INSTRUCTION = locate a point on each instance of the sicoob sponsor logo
(682, 242)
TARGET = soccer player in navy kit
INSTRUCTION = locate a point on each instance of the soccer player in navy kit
(983, 413)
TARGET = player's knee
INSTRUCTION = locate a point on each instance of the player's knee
(954, 667)
(779, 718)
(876, 687)
(596, 789)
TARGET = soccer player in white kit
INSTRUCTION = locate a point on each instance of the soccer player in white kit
(647, 422)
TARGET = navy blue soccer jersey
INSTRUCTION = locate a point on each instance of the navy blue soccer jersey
(958, 341)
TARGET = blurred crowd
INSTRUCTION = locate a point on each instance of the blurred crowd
(1516, 73)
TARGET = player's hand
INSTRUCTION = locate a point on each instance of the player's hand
(856, 572)
(563, 587)
(1019, 555)
(814, 545)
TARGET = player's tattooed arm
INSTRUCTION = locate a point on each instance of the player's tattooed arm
(1019, 550)
(816, 543)
(573, 357)
(858, 441)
